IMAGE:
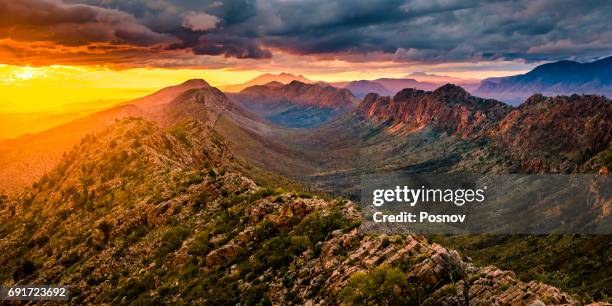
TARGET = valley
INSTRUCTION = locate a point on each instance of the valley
(188, 180)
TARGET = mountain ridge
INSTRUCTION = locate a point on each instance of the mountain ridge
(284, 78)
(557, 78)
(297, 104)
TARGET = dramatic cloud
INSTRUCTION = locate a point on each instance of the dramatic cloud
(200, 21)
(403, 31)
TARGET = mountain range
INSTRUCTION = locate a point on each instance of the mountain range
(174, 197)
(383, 86)
(297, 104)
(558, 78)
(283, 78)
(144, 214)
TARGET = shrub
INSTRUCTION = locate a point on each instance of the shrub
(180, 134)
(26, 268)
(173, 239)
(201, 199)
(383, 286)
(105, 228)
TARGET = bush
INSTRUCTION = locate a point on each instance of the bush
(105, 228)
(607, 158)
(25, 269)
(201, 199)
(180, 134)
(200, 245)
(383, 286)
(173, 239)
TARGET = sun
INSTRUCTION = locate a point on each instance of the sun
(18, 75)
(25, 75)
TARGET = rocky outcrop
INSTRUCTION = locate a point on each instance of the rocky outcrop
(449, 108)
(440, 276)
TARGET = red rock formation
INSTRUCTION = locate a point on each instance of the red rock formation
(449, 108)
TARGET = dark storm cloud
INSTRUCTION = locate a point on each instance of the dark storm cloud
(73, 24)
(407, 30)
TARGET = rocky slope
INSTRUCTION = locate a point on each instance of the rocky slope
(142, 214)
(556, 135)
(175, 164)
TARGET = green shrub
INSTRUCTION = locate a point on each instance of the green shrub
(383, 286)
(180, 134)
(173, 239)
(607, 158)
(201, 199)
(200, 245)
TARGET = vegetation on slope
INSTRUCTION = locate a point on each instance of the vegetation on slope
(140, 214)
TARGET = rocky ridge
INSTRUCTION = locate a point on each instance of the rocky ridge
(449, 108)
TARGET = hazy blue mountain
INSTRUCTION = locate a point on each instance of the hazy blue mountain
(564, 77)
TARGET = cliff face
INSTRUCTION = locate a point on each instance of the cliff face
(156, 215)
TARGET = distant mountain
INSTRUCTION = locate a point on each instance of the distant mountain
(28, 157)
(468, 84)
(559, 78)
(395, 85)
(296, 104)
(284, 78)
(361, 88)
(16, 124)
(165, 95)
(382, 86)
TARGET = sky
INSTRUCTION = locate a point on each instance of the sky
(60, 55)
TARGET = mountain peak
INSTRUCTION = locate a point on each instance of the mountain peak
(297, 83)
(195, 83)
(452, 92)
(274, 84)
(551, 79)
(263, 79)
